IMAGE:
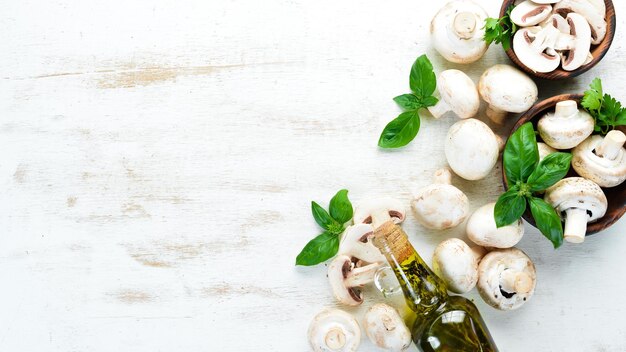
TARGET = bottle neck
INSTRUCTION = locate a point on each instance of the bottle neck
(423, 289)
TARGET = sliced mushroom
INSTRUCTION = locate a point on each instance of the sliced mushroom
(556, 21)
(457, 31)
(482, 230)
(471, 149)
(346, 279)
(385, 328)
(440, 205)
(506, 89)
(457, 93)
(534, 49)
(506, 278)
(357, 243)
(378, 210)
(566, 127)
(544, 150)
(529, 13)
(602, 160)
(581, 34)
(579, 201)
(457, 264)
(592, 11)
(545, 1)
(333, 330)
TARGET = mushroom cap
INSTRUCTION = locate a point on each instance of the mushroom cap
(364, 210)
(492, 273)
(592, 11)
(440, 205)
(580, 193)
(579, 28)
(471, 149)
(457, 31)
(482, 230)
(544, 150)
(356, 242)
(603, 171)
(333, 330)
(566, 127)
(459, 92)
(529, 13)
(538, 59)
(507, 88)
(337, 272)
(386, 329)
(455, 262)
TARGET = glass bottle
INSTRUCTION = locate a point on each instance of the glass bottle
(440, 322)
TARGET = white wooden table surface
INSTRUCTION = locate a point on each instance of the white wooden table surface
(158, 159)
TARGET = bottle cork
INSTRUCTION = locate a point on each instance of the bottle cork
(390, 237)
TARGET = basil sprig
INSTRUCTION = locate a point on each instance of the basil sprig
(525, 175)
(403, 129)
(326, 245)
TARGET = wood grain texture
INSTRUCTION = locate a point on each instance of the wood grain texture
(597, 51)
(158, 159)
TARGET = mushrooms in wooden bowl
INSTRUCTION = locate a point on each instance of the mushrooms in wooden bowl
(592, 196)
(559, 39)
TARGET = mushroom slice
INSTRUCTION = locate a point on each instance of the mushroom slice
(544, 150)
(471, 149)
(346, 279)
(440, 206)
(457, 31)
(602, 160)
(457, 94)
(532, 50)
(581, 32)
(578, 200)
(482, 230)
(506, 278)
(591, 11)
(457, 264)
(566, 127)
(356, 242)
(556, 21)
(333, 330)
(544, 2)
(529, 13)
(506, 89)
(376, 211)
(385, 328)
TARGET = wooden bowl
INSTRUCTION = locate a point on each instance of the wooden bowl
(615, 195)
(598, 51)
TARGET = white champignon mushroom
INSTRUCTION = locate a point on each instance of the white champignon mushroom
(440, 205)
(481, 229)
(592, 11)
(529, 13)
(377, 211)
(457, 31)
(533, 48)
(544, 150)
(385, 328)
(457, 94)
(346, 279)
(457, 264)
(471, 149)
(602, 160)
(333, 330)
(579, 45)
(506, 89)
(506, 278)
(566, 127)
(579, 201)
(357, 242)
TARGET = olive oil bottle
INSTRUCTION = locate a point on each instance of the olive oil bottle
(441, 322)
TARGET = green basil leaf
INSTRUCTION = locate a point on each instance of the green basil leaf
(509, 207)
(422, 79)
(400, 131)
(340, 207)
(322, 217)
(521, 154)
(547, 220)
(319, 249)
(429, 101)
(550, 170)
(408, 101)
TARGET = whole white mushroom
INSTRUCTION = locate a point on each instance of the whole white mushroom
(386, 329)
(333, 330)
(482, 230)
(506, 89)
(457, 94)
(457, 264)
(441, 205)
(471, 149)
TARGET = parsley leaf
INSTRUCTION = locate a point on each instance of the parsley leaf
(607, 112)
(500, 30)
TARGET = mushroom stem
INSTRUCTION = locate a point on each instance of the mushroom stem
(361, 276)
(575, 225)
(465, 24)
(443, 177)
(496, 115)
(611, 145)
(439, 109)
(335, 338)
(380, 217)
(566, 108)
(515, 281)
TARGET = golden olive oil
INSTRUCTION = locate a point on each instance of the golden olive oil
(439, 322)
